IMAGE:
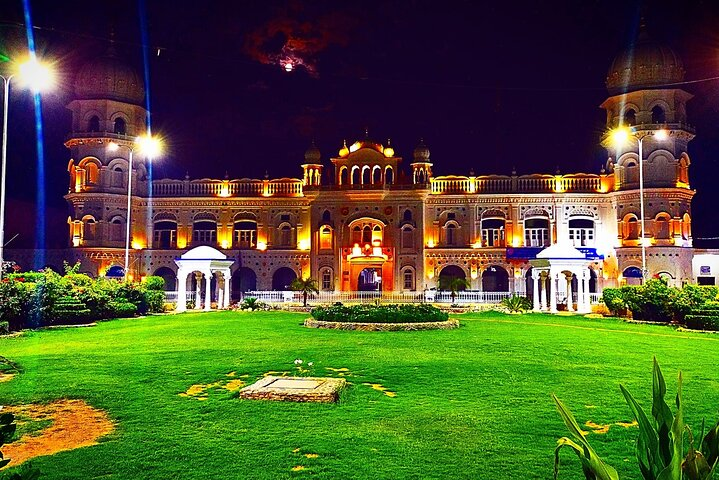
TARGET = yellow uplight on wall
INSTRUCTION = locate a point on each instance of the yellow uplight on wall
(473, 275)
(516, 242)
(304, 244)
(477, 244)
(225, 244)
(430, 243)
(261, 246)
(136, 245)
(431, 274)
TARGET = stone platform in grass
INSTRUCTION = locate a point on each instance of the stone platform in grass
(383, 327)
(295, 389)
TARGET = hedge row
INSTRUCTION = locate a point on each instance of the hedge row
(379, 313)
(37, 299)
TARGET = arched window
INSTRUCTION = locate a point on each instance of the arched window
(376, 174)
(118, 177)
(450, 235)
(92, 174)
(245, 233)
(661, 227)
(632, 228)
(165, 234)
(492, 232)
(285, 235)
(343, 176)
(204, 232)
(356, 235)
(355, 175)
(408, 279)
(407, 237)
(93, 125)
(658, 115)
(89, 228)
(581, 232)
(686, 226)
(326, 278)
(325, 238)
(631, 173)
(326, 216)
(376, 234)
(536, 232)
(630, 117)
(407, 216)
(116, 228)
(388, 175)
(366, 175)
(367, 234)
(120, 127)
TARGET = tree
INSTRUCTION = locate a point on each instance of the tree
(453, 284)
(306, 286)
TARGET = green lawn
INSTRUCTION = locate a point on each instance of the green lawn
(470, 403)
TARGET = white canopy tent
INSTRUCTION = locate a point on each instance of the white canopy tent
(204, 262)
(559, 263)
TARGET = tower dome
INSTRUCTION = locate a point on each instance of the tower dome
(312, 154)
(644, 64)
(108, 77)
(421, 152)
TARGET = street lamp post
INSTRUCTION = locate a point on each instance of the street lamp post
(149, 147)
(620, 136)
(38, 77)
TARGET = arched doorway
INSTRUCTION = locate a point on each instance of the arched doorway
(169, 276)
(632, 275)
(282, 278)
(243, 280)
(495, 279)
(448, 273)
(370, 280)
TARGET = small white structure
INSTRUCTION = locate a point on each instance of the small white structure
(559, 263)
(204, 262)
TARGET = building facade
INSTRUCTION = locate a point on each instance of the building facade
(366, 219)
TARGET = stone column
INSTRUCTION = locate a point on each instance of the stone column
(181, 291)
(228, 286)
(535, 293)
(219, 290)
(587, 304)
(581, 307)
(543, 290)
(552, 292)
(208, 285)
(570, 300)
(198, 289)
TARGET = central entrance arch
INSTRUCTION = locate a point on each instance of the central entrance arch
(370, 280)
(495, 279)
(282, 278)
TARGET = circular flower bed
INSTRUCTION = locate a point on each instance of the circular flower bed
(380, 318)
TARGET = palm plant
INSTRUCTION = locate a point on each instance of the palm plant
(453, 284)
(306, 286)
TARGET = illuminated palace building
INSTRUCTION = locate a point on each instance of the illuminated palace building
(366, 219)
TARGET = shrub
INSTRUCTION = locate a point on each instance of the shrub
(517, 304)
(155, 300)
(614, 300)
(154, 283)
(69, 310)
(168, 307)
(380, 314)
(4, 328)
(15, 303)
(122, 309)
(702, 320)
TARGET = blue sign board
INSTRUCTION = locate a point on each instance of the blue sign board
(529, 253)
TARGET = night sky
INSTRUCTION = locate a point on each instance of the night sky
(487, 85)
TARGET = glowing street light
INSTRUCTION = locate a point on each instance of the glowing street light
(38, 77)
(150, 147)
(619, 137)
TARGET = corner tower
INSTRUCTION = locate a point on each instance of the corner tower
(643, 83)
(107, 110)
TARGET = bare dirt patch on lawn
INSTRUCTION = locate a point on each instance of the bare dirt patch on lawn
(74, 424)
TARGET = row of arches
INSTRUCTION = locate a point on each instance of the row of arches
(366, 175)
(119, 125)
(658, 115)
(661, 227)
(495, 278)
(89, 174)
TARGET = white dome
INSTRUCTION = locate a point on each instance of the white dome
(203, 253)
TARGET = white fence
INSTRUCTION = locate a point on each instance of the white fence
(427, 296)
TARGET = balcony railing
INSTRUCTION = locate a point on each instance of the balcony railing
(573, 183)
(245, 187)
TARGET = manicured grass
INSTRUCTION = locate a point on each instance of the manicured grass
(470, 403)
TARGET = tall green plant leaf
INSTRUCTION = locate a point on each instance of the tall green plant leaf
(662, 414)
(673, 471)
(592, 466)
(695, 466)
(710, 446)
(647, 441)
